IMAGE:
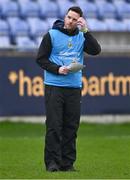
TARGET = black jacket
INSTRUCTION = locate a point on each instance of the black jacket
(91, 47)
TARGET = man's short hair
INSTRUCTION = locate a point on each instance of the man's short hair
(76, 9)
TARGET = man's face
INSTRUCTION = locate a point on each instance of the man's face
(70, 21)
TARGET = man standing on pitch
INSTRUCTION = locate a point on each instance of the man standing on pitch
(63, 45)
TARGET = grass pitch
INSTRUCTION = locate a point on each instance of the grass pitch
(103, 152)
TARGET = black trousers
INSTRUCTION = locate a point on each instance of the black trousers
(62, 122)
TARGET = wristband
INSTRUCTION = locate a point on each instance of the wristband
(84, 30)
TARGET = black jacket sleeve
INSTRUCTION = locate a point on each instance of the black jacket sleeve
(91, 46)
(44, 53)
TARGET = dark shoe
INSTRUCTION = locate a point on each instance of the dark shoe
(52, 167)
(71, 169)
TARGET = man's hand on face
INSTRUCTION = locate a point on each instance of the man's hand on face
(82, 24)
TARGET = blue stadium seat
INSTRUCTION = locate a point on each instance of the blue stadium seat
(18, 26)
(115, 25)
(96, 25)
(88, 7)
(24, 43)
(37, 26)
(4, 2)
(4, 27)
(111, 1)
(28, 8)
(51, 21)
(91, 10)
(48, 8)
(127, 23)
(123, 8)
(63, 6)
(5, 42)
(106, 9)
(83, 5)
(9, 8)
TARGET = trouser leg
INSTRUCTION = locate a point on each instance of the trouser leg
(70, 127)
(54, 111)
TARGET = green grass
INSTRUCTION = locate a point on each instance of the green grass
(103, 151)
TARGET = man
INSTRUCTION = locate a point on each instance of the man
(62, 45)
